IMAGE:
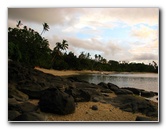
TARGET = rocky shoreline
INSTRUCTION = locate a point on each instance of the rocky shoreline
(61, 96)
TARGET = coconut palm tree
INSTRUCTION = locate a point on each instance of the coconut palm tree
(45, 27)
(60, 46)
(96, 56)
(19, 24)
(64, 45)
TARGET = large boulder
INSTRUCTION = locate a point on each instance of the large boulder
(32, 89)
(79, 95)
(123, 92)
(135, 104)
(134, 90)
(55, 101)
(112, 87)
(103, 85)
(148, 94)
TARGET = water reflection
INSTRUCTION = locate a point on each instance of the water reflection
(148, 81)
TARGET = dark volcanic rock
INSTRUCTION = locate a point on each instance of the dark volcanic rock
(103, 85)
(13, 104)
(134, 90)
(147, 94)
(27, 107)
(55, 101)
(123, 92)
(32, 89)
(135, 104)
(79, 95)
(12, 114)
(31, 116)
(112, 87)
(139, 118)
(94, 107)
(14, 93)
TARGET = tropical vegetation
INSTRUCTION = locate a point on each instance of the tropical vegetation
(27, 46)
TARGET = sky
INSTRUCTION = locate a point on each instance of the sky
(121, 34)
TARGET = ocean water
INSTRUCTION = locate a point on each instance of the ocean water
(146, 81)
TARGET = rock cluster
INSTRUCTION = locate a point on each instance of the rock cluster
(59, 95)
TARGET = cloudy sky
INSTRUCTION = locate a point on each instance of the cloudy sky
(122, 34)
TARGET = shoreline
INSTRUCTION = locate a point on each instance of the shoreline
(66, 73)
(31, 93)
(72, 72)
(77, 72)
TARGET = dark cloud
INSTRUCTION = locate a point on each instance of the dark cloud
(40, 15)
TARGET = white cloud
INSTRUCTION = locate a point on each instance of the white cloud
(144, 32)
(71, 23)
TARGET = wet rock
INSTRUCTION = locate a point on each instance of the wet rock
(55, 101)
(148, 94)
(103, 85)
(113, 87)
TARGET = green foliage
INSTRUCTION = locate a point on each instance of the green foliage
(28, 47)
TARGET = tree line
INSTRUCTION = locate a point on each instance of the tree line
(27, 46)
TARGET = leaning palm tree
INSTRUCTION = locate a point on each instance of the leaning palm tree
(45, 27)
(19, 24)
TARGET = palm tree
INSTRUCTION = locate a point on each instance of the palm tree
(64, 45)
(19, 24)
(99, 57)
(25, 27)
(59, 47)
(45, 27)
(96, 56)
(88, 55)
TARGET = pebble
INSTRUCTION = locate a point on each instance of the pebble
(94, 107)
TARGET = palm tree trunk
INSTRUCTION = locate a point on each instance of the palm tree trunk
(42, 32)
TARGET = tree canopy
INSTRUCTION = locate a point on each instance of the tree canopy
(29, 47)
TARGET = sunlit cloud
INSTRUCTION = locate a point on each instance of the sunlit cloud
(115, 33)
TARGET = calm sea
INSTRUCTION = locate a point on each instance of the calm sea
(146, 81)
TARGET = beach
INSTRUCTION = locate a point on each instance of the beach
(37, 96)
(105, 112)
(71, 72)
(84, 113)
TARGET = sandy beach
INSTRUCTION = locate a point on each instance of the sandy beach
(105, 112)
(70, 72)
